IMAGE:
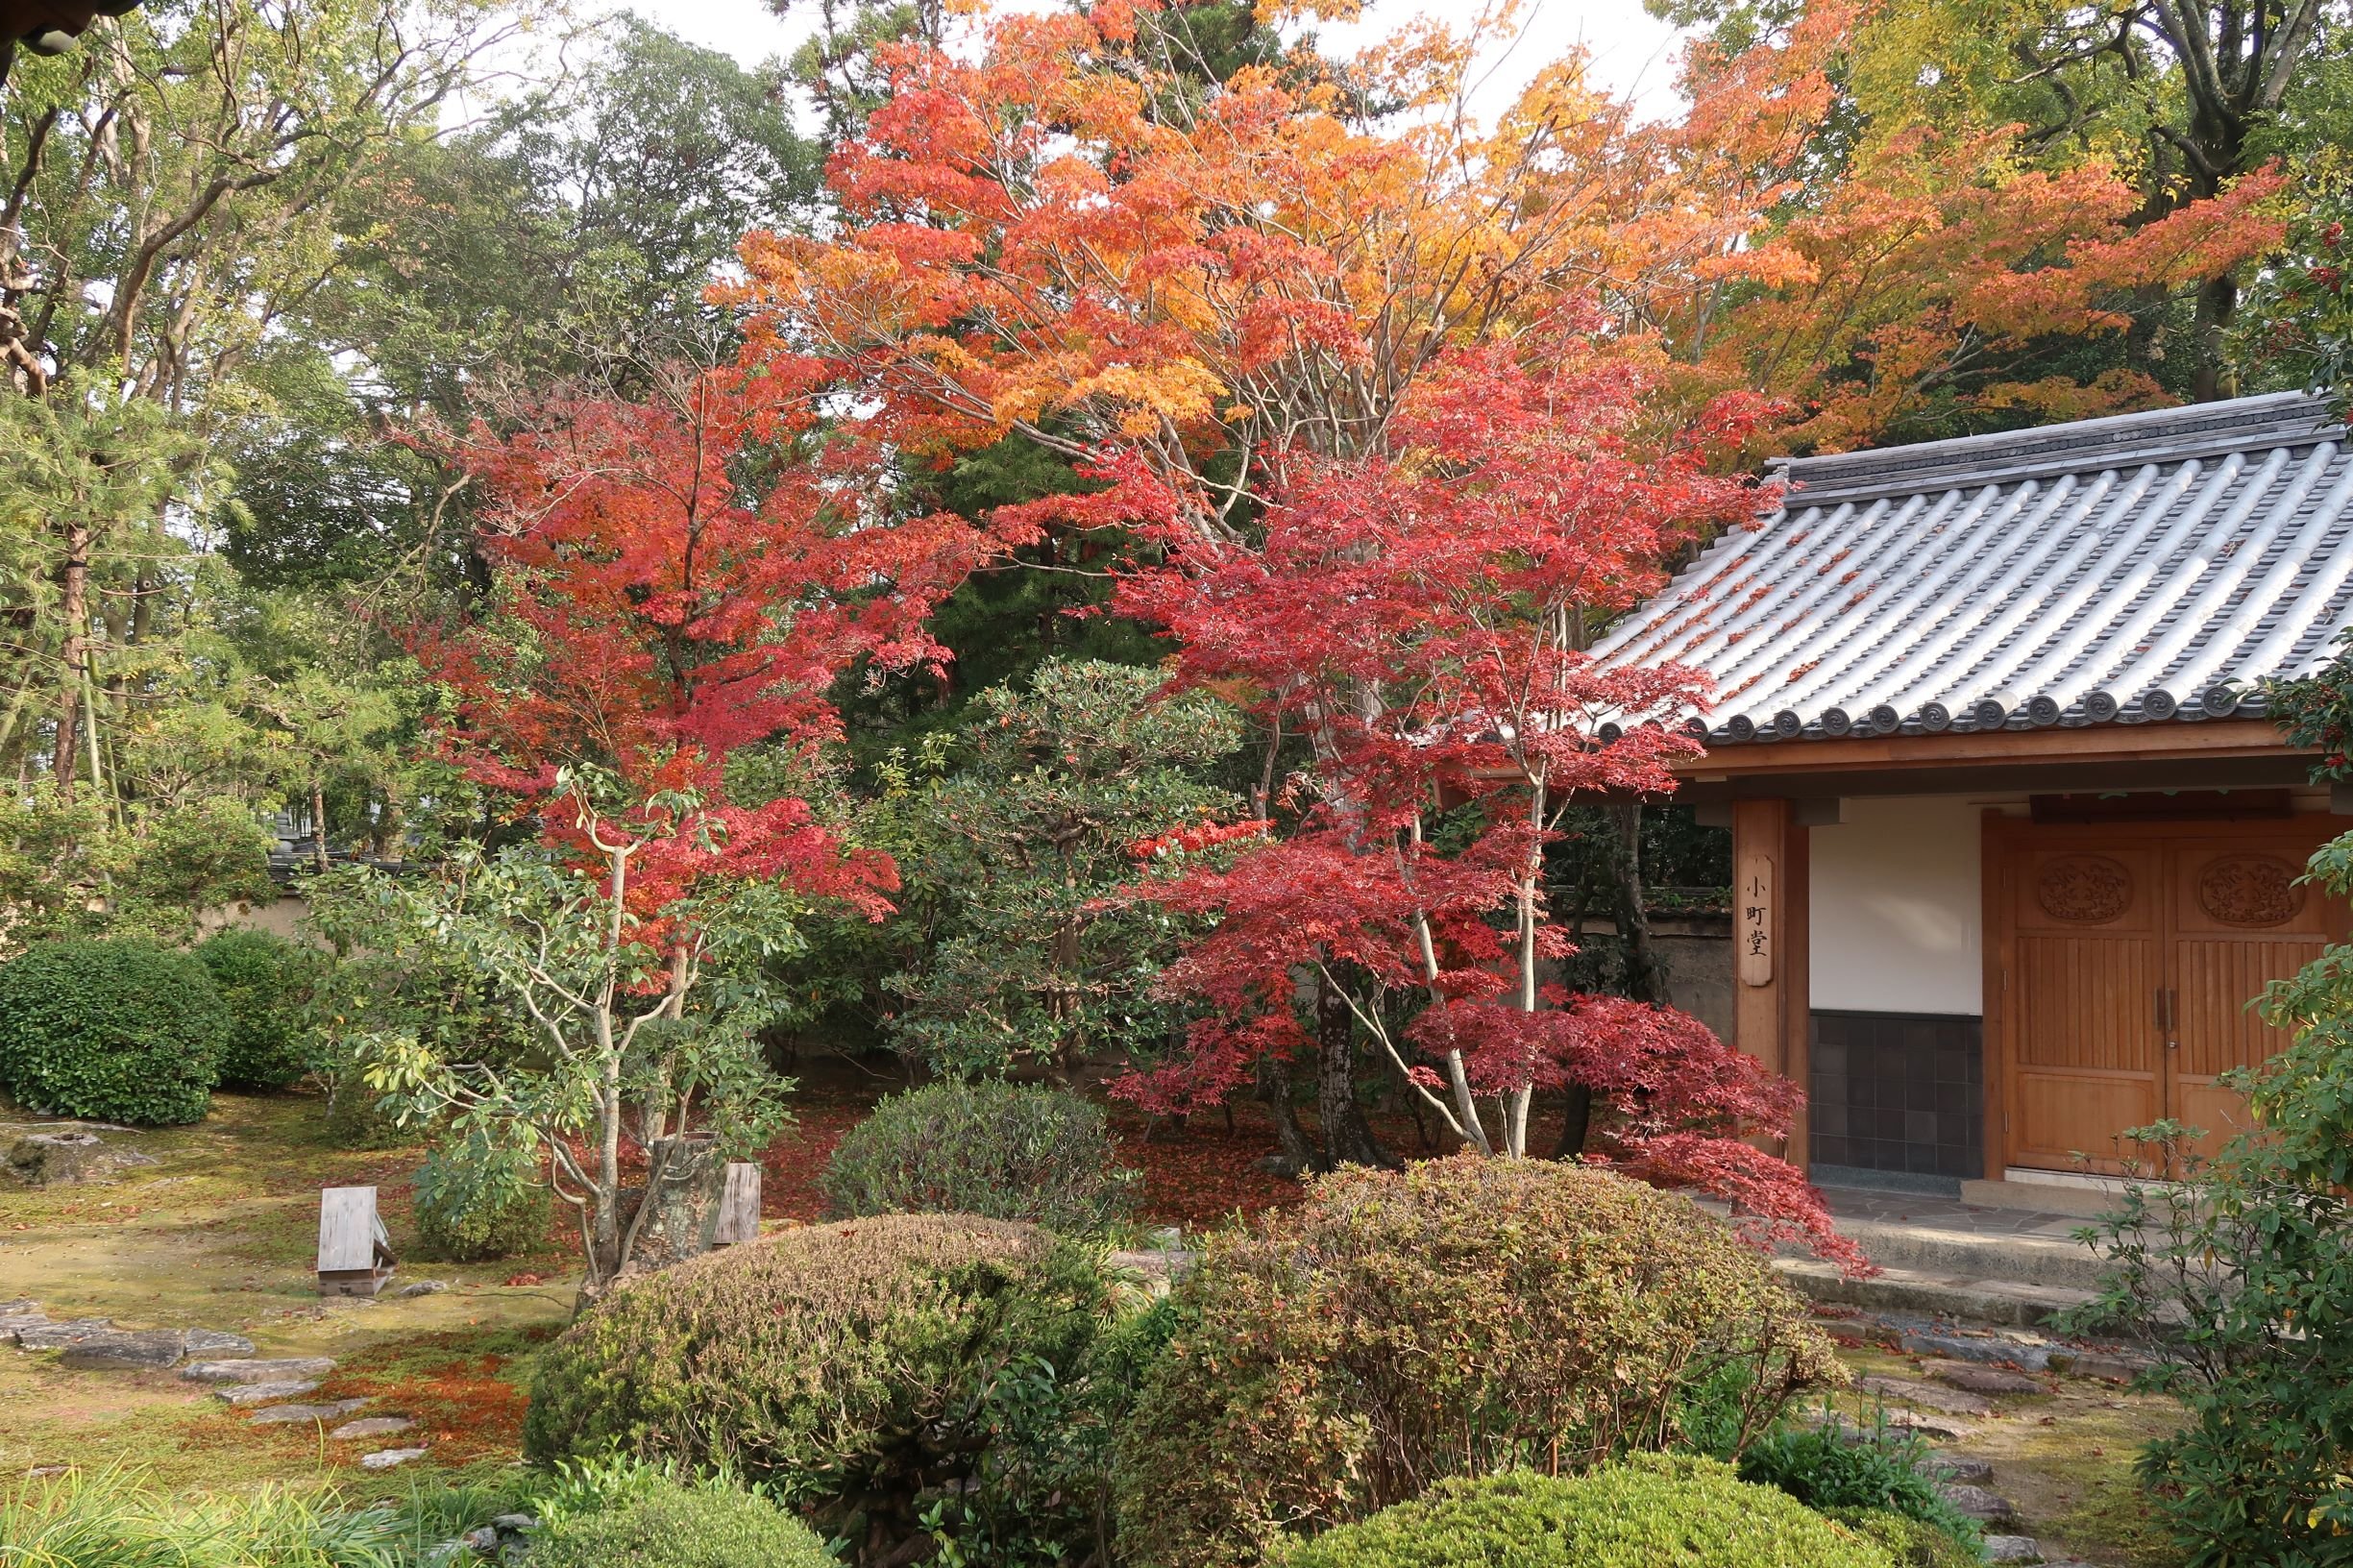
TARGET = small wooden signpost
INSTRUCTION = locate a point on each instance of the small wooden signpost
(739, 1206)
(355, 1251)
(1753, 919)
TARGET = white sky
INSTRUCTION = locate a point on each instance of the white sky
(1633, 53)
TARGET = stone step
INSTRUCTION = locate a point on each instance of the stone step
(1971, 1297)
(277, 1369)
(1977, 1255)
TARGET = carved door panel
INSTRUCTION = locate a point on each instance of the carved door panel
(2088, 931)
(2132, 956)
(2239, 921)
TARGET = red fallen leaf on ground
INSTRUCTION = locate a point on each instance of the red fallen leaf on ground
(525, 1279)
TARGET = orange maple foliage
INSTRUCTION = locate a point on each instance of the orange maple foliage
(1044, 231)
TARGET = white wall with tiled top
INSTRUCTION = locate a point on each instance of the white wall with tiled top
(1897, 923)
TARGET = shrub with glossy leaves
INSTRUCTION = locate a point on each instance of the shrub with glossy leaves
(1463, 1316)
(651, 1518)
(118, 1030)
(1652, 1512)
(479, 1197)
(871, 1372)
(1006, 1151)
(265, 983)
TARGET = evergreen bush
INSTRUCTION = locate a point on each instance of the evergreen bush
(1652, 1512)
(892, 1376)
(1006, 1151)
(265, 981)
(478, 1198)
(112, 1030)
(1463, 1316)
(1823, 1467)
(649, 1518)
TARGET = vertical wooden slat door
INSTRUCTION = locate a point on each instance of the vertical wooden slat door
(2089, 945)
(2132, 956)
(2239, 921)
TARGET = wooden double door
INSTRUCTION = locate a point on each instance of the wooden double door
(2124, 957)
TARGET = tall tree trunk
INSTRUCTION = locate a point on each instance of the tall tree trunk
(1348, 1138)
(73, 608)
(318, 818)
(2217, 303)
(1274, 1090)
(1646, 978)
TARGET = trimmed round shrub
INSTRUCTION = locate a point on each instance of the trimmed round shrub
(265, 980)
(1655, 1510)
(658, 1522)
(117, 1029)
(866, 1371)
(1006, 1151)
(478, 1199)
(1465, 1316)
(1909, 1542)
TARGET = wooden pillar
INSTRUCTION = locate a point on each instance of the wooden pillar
(1770, 963)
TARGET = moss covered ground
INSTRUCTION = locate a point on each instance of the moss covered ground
(219, 1232)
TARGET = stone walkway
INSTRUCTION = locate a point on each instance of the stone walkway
(1927, 1211)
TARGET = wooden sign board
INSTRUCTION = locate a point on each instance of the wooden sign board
(1753, 919)
(739, 1206)
(355, 1251)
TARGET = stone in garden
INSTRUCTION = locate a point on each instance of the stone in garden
(1980, 1504)
(374, 1426)
(58, 1336)
(122, 1349)
(483, 1540)
(278, 1415)
(241, 1394)
(512, 1523)
(1929, 1424)
(217, 1344)
(386, 1459)
(1972, 1347)
(2012, 1549)
(283, 1369)
(50, 1158)
(1955, 1467)
(1950, 1401)
(17, 1317)
(1978, 1379)
(423, 1287)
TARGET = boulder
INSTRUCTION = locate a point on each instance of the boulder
(280, 1369)
(58, 1336)
(373, 1426)
(423, 1287)
(1955, 1467)
(279, 1416)
(2012, 1549)
(386, 1459)
(216, 1344)
(122, 1349)
(1950, 1401)
(51, 1159)
(241, 1394)
(1983, 1505)
(17, 1317)
(1977, 1379)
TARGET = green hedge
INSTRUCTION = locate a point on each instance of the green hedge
(658, 1522)
(265, 980)
(1463, 1316)
(1652, 1512)
(866, 1371)
(1006, 1151)
(117, 1029)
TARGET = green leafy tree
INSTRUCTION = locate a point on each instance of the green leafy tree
(1059, 790)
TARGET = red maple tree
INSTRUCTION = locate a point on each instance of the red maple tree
(1419, 618)
(677, 577)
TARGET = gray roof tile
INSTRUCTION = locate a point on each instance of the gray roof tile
(2107, 571)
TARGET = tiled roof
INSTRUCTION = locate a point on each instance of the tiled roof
(2112, 571)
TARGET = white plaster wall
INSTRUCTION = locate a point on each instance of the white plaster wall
(1895, 922)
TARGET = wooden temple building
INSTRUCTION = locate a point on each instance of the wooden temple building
(2014, 841)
